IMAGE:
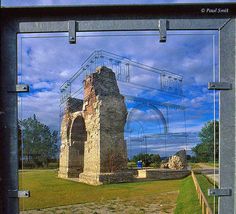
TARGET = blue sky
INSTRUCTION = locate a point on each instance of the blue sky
(46, 61)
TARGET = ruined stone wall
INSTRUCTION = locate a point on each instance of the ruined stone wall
(162, 174)
(77, 138)
(177, 161)
(93, 145)
(113, 117)
(105, 116)
(73, 135)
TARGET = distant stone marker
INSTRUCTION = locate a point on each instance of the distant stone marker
(177, 161)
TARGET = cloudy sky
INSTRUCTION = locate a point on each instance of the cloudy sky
(46, 61)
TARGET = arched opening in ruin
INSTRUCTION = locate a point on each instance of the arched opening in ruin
(78, 130)
(78, 137)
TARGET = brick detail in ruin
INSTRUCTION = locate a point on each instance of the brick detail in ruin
(73, 105)
(104, 113)
(105, 116)
(73, 135)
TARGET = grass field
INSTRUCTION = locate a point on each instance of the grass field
(187, 202)
(49, 191)
(205, 184)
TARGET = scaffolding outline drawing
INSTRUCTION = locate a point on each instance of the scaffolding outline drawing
(169, 83)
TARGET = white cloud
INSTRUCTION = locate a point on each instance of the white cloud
(144, 115)
(190, 63)
(198, 101)
(65, 74)
(45, 105)
(48, 62)
(42, 85)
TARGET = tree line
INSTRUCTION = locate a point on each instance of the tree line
(203, 152)
(153, 160)
(38, 143)
(41, 147)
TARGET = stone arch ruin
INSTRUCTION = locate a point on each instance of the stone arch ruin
(92, 133)
(93, 149)
(73, 136)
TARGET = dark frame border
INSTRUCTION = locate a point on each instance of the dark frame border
(180, 16)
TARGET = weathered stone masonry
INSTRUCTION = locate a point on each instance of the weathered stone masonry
(104, 158)
(73, 135)
(93, 149)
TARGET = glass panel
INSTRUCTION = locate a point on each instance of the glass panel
(121, 110)
(216, 165)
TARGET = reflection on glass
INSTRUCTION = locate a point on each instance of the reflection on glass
(119, 110)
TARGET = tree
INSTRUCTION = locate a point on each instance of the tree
(148, 159)
(39, 142)
(205, 150)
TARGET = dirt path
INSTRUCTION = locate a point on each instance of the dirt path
(113, 206)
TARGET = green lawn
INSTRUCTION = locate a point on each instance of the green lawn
(187, 201)
(205, 184)
(49, 191)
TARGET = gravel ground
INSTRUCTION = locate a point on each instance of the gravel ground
(112, 206)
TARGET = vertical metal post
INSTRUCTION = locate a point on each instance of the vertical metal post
(227, 129)
(162, 25)
(72, 31)
(8, 118)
